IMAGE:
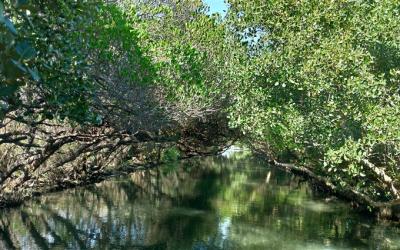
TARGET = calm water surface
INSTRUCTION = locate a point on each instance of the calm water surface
(225, 202)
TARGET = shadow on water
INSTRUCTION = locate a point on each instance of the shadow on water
(225, 202)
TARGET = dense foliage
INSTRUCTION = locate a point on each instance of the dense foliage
(323, 87)
(194, 54)
(88, 87)
(45, 57)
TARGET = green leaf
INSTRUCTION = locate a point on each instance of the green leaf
(15, 69)
(10, 26)
(34, 74)
(2, 18)
(19, 65)
(25, 50)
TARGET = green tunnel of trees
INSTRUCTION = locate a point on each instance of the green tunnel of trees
(89, 86)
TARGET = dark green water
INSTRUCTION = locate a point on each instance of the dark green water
(231, 202)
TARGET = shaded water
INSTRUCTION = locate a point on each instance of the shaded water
(220, 202)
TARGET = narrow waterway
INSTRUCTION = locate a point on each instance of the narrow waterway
(226, 202)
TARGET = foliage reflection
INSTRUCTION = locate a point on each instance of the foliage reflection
(233, 202)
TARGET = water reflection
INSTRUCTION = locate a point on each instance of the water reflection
(233, 202)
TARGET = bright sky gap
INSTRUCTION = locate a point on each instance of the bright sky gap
(217, 6)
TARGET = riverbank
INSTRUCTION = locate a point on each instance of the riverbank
(361, 202)
(72, 157)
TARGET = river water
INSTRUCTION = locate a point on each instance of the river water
(227, 202)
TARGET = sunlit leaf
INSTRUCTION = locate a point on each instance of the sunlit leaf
(34, 74)
(10, 26)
